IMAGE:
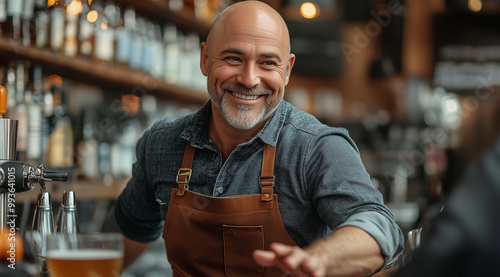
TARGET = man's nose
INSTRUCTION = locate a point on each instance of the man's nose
(249, 76)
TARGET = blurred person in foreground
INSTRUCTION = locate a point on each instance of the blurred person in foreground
(241, 152)
(463, 240)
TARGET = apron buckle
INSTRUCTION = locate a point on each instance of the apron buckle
(183, 178)
(186, 173)
(266, 188)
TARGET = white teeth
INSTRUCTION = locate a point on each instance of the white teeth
(245, 97)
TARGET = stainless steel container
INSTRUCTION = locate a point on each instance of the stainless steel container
(8, 144)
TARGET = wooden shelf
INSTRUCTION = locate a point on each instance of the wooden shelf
(84, 190)
(158, 10)
(85, 70)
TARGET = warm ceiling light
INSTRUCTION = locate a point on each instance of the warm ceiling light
(308, 10)
(75, 7)
(475, 5)
(92, 16)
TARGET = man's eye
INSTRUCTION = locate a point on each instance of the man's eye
(233, 59)
(269, 63)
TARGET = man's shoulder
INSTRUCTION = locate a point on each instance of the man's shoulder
(170, 126)
(308, 123)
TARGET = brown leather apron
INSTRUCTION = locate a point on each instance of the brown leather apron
(215, 236)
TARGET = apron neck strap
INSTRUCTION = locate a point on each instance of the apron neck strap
(267, 173)
(266, 179)
(184, 173)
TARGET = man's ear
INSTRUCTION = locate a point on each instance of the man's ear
(289, 66)
(204, 58)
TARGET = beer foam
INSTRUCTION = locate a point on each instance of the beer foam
(84, 254)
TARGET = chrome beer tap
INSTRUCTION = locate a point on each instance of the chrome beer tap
(16, 176)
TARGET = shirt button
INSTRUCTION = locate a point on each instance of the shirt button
(220, 189)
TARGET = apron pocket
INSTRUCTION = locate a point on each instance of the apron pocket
(239, 243)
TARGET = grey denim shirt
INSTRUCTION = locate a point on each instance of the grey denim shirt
(321, 182)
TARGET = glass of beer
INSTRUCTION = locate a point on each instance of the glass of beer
(85, 255)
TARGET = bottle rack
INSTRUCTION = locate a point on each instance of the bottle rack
(85, 70)
(117, 78)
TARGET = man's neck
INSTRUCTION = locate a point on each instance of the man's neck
(226, 137)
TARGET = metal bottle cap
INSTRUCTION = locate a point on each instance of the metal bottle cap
(43, 200)
(68, 200)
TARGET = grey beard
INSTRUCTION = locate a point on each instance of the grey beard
(243, 120)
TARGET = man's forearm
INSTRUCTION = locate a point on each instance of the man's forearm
(349, 251)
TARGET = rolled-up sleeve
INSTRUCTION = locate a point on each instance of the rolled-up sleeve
(344, 194)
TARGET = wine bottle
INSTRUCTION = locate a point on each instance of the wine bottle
(60, 152)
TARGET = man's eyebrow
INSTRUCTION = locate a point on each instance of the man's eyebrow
(263, 55)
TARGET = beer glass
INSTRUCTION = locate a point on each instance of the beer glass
(85, 255)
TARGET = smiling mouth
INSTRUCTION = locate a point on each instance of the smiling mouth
(243, 96)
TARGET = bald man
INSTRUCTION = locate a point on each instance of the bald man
(249, 185)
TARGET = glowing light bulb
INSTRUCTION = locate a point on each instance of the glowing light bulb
(92, 16)
(308, 10)
(475, 5)
(75, 7)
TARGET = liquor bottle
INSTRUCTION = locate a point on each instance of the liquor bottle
(27, 19)
(42, 24)
(186, 64)
(176, 5)
(14, 11)
(10, 86)
(57, 26)
(148, 48)
(86, 30)
(73, 10)
(197, 78)
(124, 35)
(171, 64)
(67, 218)
(60, 149)
(138, 43)
(36, 119)
(157, 51)
(3, 18)
(21, 110)
(104, 32)
(87, 147)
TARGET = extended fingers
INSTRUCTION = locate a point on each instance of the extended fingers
(264, 258)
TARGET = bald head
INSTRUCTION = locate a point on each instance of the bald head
(256, 17)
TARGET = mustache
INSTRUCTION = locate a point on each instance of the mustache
(248, 91)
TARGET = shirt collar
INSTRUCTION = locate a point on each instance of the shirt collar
(197, 129)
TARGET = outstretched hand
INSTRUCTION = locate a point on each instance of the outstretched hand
(293, 260)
